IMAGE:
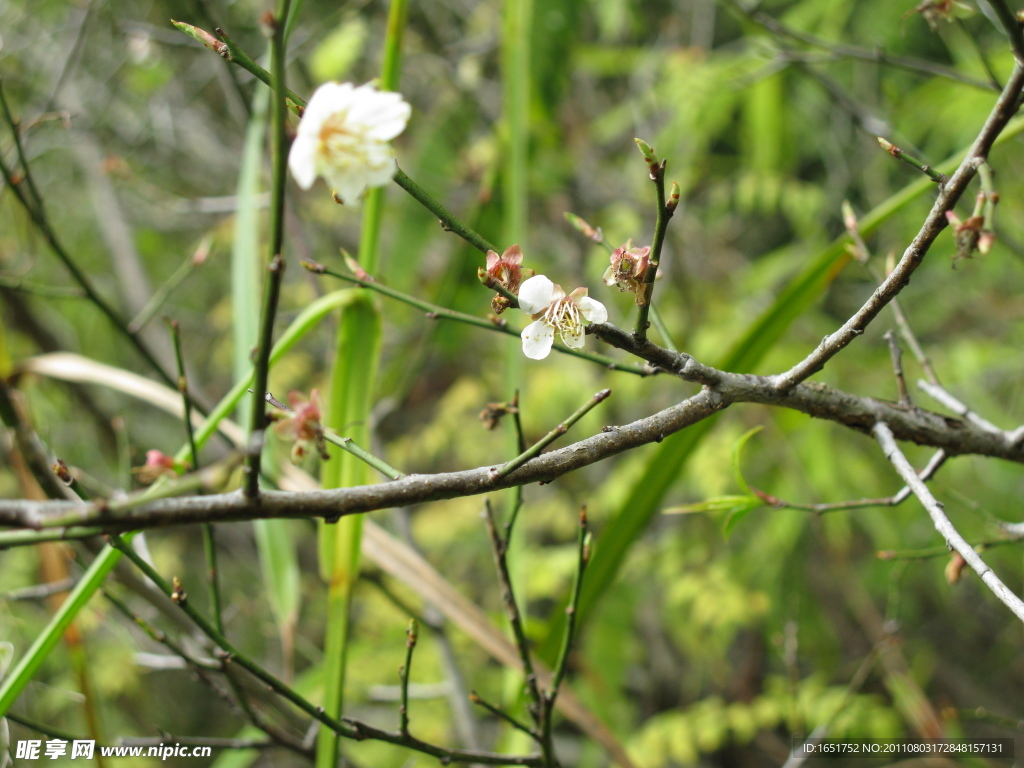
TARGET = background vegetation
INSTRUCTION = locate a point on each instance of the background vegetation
(695, 647)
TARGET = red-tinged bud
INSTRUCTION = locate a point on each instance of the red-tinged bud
(268, 23)
(673, 199)
(158, 464)
(581, 226)
(354, 266)
(849, 218)
(955, 567)
(648, 152)
(204, 37)
(889, 147)
(985, 241)
(60, 469)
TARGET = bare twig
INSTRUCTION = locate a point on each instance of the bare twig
(942, 523)
(499, 547)
(1004, 109)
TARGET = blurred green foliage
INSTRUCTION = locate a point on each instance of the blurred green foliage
(701, 650)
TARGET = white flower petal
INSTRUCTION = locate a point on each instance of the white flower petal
(572, 336)
(538, 337)
(593, 310)
(302, 161)
(536, 294)
(326, 100)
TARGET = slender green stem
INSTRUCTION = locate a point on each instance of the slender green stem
(158, 636)
(660, 326)
(449, 222)
(350, 399)
(411, 636)
(19, 148)
(433, 311)
(209, 542)
(348, 445)
(515, 118)
(517, 492)
(43, 728)
(160, 294)
(551, 436)
(664, 213)
(275, 269)
(899, 154)
(502, 715)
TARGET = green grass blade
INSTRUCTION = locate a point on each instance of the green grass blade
(29, 664)
(351, 396)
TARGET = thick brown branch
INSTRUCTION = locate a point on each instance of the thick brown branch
(954, 436)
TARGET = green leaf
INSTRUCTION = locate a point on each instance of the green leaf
(737, 450)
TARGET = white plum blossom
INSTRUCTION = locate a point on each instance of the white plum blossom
(553, 311)
(343, 136)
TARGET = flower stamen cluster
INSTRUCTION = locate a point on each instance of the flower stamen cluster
(552, 310)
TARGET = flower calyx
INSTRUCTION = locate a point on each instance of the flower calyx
(303, 425)
(504, 274)
(970, 236)
(158, 464)
(628, 270)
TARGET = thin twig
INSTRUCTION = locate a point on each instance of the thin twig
(347, 727)
(945, 398)
(664, 213)
(899, 154)
(942, 523)
(568, 638)
(411, 636)
(896, 356)
(275, 269)
(877, 55)
(926, 474)
(502, 715)
(434, 311)
(209, 540)
(499, 548)
(551, 436)
(449, 221)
